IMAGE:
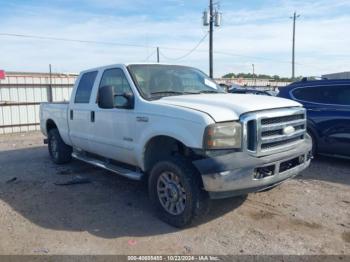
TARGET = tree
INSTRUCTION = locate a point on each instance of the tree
(261, 76)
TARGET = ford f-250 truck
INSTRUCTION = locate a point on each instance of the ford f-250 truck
(174, 127)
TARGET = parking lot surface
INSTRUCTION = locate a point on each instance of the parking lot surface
(112, 215)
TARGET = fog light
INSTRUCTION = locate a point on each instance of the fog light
(262, 172)
(301, 159)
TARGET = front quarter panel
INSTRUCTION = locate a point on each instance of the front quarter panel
(182, 124)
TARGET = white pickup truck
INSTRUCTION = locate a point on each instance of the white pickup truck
(174, 127)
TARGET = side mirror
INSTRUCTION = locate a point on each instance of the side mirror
(125, 100)
(106, 97)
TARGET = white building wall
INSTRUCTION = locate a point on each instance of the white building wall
(341, 75)
(21, 95)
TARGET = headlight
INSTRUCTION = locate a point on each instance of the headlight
(223, 136)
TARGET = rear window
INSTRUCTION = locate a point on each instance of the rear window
(84, 88)
(336, 95)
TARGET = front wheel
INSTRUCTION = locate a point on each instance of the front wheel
(175, 191)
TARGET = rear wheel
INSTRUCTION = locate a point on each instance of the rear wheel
(60, 152)
(175, 191)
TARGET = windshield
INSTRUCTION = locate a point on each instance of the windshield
(156, 81)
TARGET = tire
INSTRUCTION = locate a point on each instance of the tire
(174, 183)
(60, 152)
(314, 144)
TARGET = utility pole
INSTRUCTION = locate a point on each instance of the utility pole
(294, 17)
(157, 54)
(254, 77)
(49, 89)
(211, 38)
(211, 19)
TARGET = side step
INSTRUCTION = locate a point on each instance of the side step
(108, 166)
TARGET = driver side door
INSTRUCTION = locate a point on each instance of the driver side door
(113, 129)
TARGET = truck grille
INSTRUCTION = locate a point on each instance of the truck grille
(273, 131)
(281, 119)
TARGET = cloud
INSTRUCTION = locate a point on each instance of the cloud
(260, 36)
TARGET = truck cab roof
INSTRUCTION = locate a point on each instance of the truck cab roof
(124, 65)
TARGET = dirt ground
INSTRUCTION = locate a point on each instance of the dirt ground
(112, 215)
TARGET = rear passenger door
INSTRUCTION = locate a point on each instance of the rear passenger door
(80, 126)
(337, 135)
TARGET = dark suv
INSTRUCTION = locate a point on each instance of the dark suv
(328, 112)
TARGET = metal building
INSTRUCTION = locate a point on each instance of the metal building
(22, 93)
(341, 75)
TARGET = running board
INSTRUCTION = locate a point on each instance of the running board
(108, 166)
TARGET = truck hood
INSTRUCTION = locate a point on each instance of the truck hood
(227, 107)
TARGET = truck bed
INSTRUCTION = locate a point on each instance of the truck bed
(58, 112)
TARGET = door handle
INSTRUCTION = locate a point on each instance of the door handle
(71, 114)
(92, 116)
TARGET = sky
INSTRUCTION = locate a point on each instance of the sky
(255, 32)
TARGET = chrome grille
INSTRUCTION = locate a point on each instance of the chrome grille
(273, 131)
(280, 143)
(281, 119)
(279, 131)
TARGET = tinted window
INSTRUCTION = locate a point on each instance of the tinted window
(339, 95)
(84, 88)
(116, 78)
(156, 81)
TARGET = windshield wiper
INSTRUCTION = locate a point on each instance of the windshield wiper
(160, 94)
(174, 93)
(191, 93)
(167, 93)
(209, 92)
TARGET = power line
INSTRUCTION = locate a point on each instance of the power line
(149, 56)
(264, 58)
(70, 40)
(188, 53)
(85, 41)
(37, 37)
(147, 46)
(251, 57)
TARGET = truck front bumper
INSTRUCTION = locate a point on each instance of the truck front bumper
(239, 173)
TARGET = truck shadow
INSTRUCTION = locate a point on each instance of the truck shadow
(329, 169)
(110, 206)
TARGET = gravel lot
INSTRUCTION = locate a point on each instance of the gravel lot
(112, 215)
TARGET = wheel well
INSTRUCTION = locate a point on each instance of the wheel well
(313, 135)
(50, 124)
(312, 132)
(161, 147)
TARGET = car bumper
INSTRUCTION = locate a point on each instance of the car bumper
(240, 173)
